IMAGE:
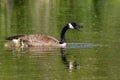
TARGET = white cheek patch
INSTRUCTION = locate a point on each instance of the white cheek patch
(70, 26)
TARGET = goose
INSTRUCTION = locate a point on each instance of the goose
(41, 40)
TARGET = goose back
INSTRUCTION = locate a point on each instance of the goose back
(39, 40)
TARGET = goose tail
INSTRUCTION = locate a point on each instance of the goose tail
(13, 37)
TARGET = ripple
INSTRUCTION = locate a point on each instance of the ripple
(84, 45)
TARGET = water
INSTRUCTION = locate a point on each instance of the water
(92, 54)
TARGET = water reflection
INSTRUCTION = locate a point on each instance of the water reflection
(70, 64)
(33, 52)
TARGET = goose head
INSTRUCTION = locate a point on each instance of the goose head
(73, 25)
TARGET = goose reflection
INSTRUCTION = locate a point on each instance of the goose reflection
(44, 51)
(70, 64)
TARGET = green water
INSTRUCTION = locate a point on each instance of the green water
(94, 52)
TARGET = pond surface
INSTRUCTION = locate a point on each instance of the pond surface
(92, 54)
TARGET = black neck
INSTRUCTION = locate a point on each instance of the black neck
(62, 36)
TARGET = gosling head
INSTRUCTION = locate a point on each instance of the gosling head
(73, 25)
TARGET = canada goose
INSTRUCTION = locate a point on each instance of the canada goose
(34, 40)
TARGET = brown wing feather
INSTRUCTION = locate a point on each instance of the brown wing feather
(39, 40)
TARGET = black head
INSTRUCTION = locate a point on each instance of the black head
(73, 25)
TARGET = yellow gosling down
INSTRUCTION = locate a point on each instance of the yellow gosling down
(40, 40)
(19, 43)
